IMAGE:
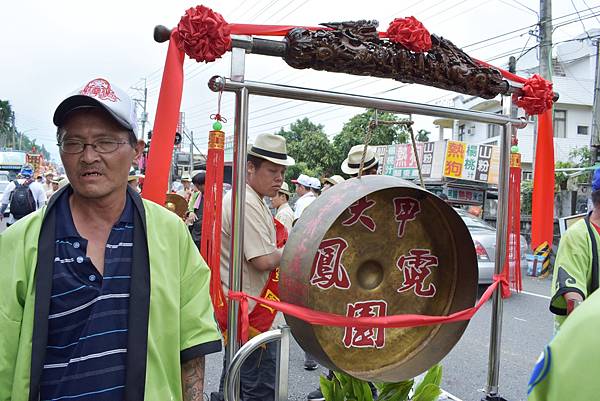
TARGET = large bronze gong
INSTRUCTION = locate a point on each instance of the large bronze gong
(376, 246)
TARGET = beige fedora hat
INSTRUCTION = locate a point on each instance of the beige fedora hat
(334, 179)
(352, 163)
(285, 189)
(271, 147)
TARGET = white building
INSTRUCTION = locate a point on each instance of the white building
(574, 65)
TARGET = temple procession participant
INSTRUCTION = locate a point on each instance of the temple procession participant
(186, 190)
(331, 181)
(284, 214)
(24, 196)
(106, 296)
(196, 207)
(266, 165)
(351, 164)
(576, 266)
(306, 195)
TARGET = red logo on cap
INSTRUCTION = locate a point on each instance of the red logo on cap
(101, 89)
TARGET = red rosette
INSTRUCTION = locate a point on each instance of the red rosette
(410, 33)
(203, 34)
(536, 96)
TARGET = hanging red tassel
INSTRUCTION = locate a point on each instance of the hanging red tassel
(512, 265)
(542, 216)
(210, 246)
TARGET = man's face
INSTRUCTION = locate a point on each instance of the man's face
(186, 184)
(278, 200)
(55, 186)
(267, 179)
(300, 190)
(96, 175)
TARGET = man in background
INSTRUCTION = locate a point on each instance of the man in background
(284, 214)
(24, 196)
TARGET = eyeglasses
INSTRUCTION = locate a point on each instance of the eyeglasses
(73, 146)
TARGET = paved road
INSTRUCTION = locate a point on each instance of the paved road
(527, 327)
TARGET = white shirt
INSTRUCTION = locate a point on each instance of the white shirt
(285, 215)
(37, 190)
(302, 203)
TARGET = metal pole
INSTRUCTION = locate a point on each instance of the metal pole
(232, 372)
(283, 365)
(238, 201)
(217, 84)
(500, 255)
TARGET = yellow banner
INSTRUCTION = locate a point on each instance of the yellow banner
(455, 158)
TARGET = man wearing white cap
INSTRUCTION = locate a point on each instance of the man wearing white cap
(284, 214)
(306, 195)
(266, 164)
(108, 297)
(186, 191)
(351, 164)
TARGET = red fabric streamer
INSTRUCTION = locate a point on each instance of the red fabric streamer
(396, 321)
(542, 216)
(203, 34)
(537, 95)
(410, 33)
(158, 166)
(512, 265)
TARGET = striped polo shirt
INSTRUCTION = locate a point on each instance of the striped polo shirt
(88, 319)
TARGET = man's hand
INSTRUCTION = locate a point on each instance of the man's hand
(191, 218)
(573, 300)
(192, 379)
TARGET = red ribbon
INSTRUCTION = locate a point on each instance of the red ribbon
(156, 184)
(396, 321)
(536, 95)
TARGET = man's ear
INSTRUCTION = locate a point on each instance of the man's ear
(250, 168)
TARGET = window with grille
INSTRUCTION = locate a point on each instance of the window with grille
(560, 123)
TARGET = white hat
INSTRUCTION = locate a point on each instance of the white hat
(334, 179)
(100, 93)
(352, 163)
(271, 147)
(285, 189)
(315, 183)
(303, 179)
(186, 177)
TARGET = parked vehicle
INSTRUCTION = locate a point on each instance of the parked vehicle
(484, 238)
(4, 181)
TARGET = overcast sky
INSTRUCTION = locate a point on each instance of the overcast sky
(49, 48)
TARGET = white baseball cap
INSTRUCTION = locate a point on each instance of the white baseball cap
(100, 93)
(315, 183)
(303, 179)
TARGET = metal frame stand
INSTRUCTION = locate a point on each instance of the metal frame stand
(242, 90)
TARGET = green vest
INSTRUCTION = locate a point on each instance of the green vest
(170, 313)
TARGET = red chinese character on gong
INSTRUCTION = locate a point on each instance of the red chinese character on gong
(405, 210)
(357, 210)
(327, 270)
(416, 268)
(365, 337)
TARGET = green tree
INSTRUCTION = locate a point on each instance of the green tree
(422, 135)
(308, 144)
(5, 122)
(355, 130)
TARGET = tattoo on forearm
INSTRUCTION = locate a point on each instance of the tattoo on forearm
(192, 379)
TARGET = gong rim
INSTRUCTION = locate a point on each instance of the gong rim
(302, 246)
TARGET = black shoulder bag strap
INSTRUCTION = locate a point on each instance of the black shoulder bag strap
(594, 254)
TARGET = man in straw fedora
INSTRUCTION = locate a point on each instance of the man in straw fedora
(285, 214)
(266, 165)
(351, 164)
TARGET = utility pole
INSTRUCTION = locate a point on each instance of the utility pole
(142, 103)
(191, 152)
(594, 138)
(545, 26)
(13, 130)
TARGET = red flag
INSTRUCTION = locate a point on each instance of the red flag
(542, 219)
